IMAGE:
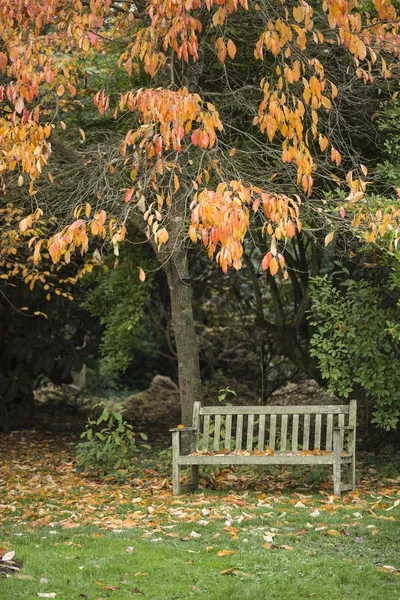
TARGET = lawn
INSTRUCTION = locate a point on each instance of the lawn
(246, 534)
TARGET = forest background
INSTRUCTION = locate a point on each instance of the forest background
(203, 190)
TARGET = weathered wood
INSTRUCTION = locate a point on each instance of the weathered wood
(196, 423)
(352, 441)
(272, 432)
(239, 432)
(284, 425)
(329, 432)
(317, 436)
(175, 463)
(206, 431)
(295, 432)
(341, 425)
(277, 410)
(261, 433)
(217, 430)
(306, 432)
(228, 431)
(334, 437)
(250, 428)
(336, 460)
(194, 476)
(284, 458)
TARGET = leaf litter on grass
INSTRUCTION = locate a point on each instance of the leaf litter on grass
(40, 487)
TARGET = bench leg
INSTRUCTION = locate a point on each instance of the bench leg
(195, 476)
(175, 464)
(336, 462)
(352, 473)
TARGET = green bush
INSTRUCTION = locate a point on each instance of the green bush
(354, 345)
(109, 447)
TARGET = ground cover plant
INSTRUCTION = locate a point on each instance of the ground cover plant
(246, 534)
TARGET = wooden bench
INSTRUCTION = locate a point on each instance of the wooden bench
(268, 435)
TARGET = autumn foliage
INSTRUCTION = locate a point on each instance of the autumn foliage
(176, 131)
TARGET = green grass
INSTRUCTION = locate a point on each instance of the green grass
(291, 539)
(82, 562)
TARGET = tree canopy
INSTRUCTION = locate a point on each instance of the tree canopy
(196, 121)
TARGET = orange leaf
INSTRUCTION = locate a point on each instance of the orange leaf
(273, 266)
(142, 275)
(128, 194)
(225, 552)
(231, 49)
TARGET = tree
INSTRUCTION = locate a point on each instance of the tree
(280, 136)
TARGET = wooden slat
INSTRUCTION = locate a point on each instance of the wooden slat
(228, 431)
(261, 433)
(272, 432)
(250, 428)
(306, 432)
(317, 436)
(196, 423)
(276, 459)
(336, 462)
(217, 430)
(295, 432)
(341, 424)
(277, 410)
(239, 432)
(284, 424)
(329, 429)
(206, 431)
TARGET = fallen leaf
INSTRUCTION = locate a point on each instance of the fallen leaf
(194, 534)
(8, 556)
(196, 589)
(225, 552)
(130, 549)
(331, 532)
(227, 571)
(46, 595)
(145, 574)
(24, 576)
(44, 580)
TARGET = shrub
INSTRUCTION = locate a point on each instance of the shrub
(354, 345)
(109, 446)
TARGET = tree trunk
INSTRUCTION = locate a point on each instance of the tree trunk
(185, 337)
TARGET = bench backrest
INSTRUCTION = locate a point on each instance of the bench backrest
(282, 428)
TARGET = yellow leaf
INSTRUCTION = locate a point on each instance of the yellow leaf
(231, 49)
(142, 275)
(177, 185)
(60, 90)
(329, 238)
(298, 14)
(180, 426)
(83, 135)
(225, 552)
(331, 532)
(273, 266)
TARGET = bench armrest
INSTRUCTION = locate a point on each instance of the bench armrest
(184, 429)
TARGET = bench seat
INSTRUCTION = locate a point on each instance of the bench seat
(268, 435)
